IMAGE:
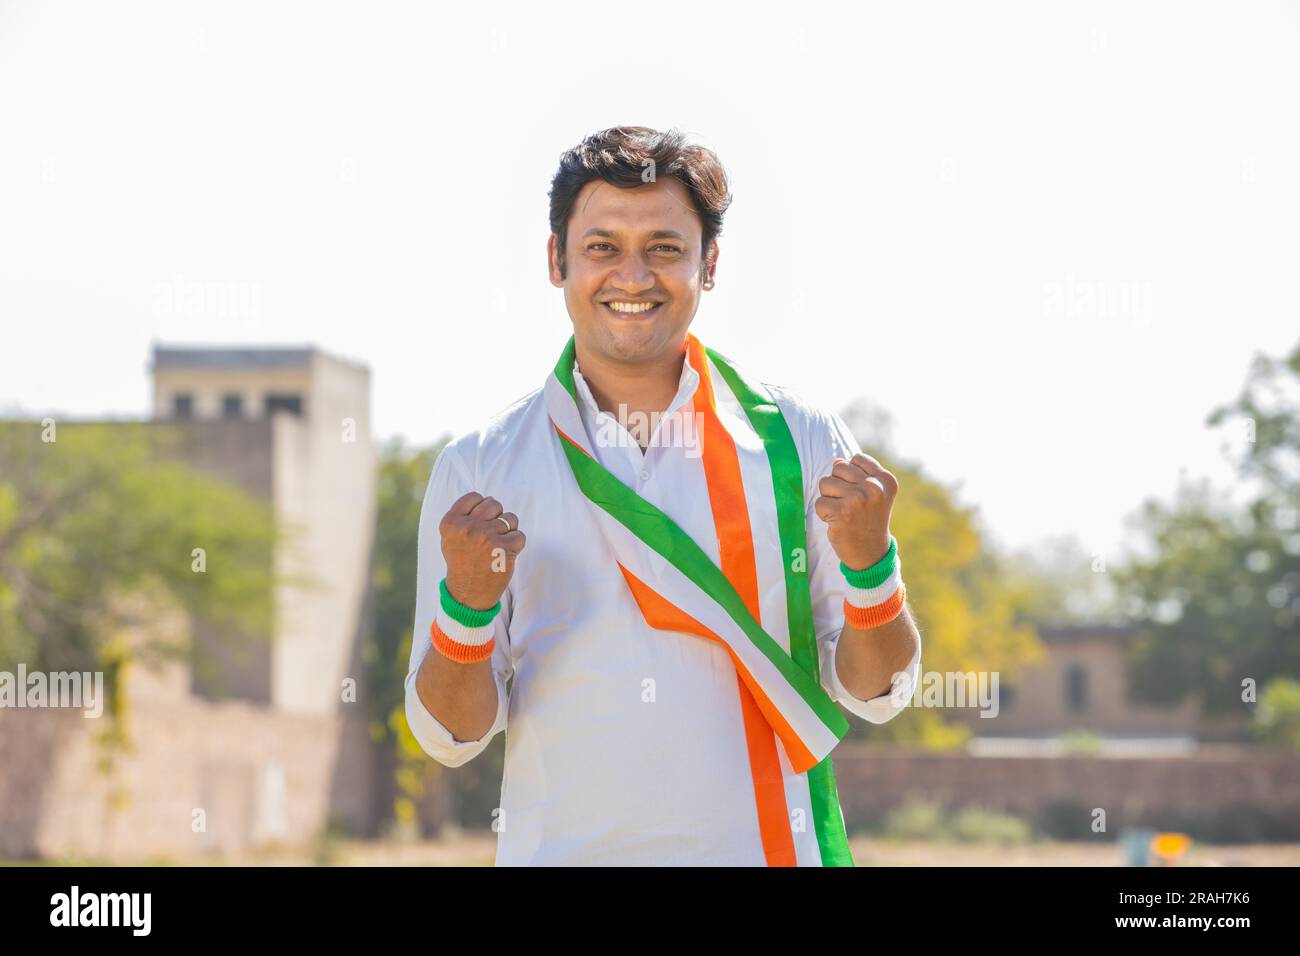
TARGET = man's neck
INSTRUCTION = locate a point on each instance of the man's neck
(623, 389)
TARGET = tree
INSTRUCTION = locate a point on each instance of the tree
(90, 512)
(403, 476)
(474, 789)
(1279, 713)
(1062, 583)
(101, 527)
(1219, 595)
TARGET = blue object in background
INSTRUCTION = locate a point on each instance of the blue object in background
(1137, 845)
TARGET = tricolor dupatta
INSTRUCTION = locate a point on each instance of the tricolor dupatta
(781, 692)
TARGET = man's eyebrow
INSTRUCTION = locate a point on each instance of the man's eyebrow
(657, 234)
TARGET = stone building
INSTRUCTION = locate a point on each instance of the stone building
(1082, 687)
(270, 744)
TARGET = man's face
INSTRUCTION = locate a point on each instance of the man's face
(633, 269)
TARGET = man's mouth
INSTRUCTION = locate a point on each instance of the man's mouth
(629, 309)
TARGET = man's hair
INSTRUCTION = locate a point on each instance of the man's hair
(621, 157)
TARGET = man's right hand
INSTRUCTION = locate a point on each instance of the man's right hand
(480, 542)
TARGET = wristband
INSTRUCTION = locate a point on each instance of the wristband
(875, 595)
(467, 616)
(877, 573)
(461, 633)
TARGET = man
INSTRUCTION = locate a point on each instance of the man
(681, 568)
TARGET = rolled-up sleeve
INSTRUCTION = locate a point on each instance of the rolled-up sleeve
(834, 440)
(449, 481)
(878, 709)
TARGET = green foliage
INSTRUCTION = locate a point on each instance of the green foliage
(915, 820)
(107, 510)
(1277, 719)
(926, 820)
(402, 480)
(1081, 743)
(980, 825)
(99, 526)
(1268, 405)
(928, 729)
(1218, 589)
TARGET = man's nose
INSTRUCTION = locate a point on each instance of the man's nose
(633, 275)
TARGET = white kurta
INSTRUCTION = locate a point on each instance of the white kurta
(625, 745)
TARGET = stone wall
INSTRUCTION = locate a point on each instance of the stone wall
(1149, 791)
(264, 778)
(259, 776)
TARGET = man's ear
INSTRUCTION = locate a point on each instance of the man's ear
(709, 267)
(555, 260)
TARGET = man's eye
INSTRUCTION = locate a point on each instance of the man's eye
(672, 249)
(597, 245)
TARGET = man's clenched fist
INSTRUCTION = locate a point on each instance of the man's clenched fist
(857, 497)
(480, 542)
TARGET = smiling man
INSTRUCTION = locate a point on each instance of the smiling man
(682, 567)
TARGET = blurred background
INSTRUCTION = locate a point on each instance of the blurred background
(258, 265)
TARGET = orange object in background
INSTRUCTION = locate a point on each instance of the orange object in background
(1170, 848)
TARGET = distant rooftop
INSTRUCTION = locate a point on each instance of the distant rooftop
(1078, 632)
(273, 356)
(243, 357)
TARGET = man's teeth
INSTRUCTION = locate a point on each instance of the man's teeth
(631, 306)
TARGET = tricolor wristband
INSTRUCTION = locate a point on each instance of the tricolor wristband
(461, 633)
(874, 595)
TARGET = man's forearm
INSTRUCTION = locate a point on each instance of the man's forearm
(461, 697)
(867, 660)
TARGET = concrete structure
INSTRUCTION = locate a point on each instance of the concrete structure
(267, 745)
(294, 428)
(200, 777)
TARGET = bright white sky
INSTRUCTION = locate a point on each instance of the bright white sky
(933, 205)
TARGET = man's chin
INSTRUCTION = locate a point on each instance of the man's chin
(633, 342)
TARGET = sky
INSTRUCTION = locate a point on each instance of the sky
(1045, 239)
